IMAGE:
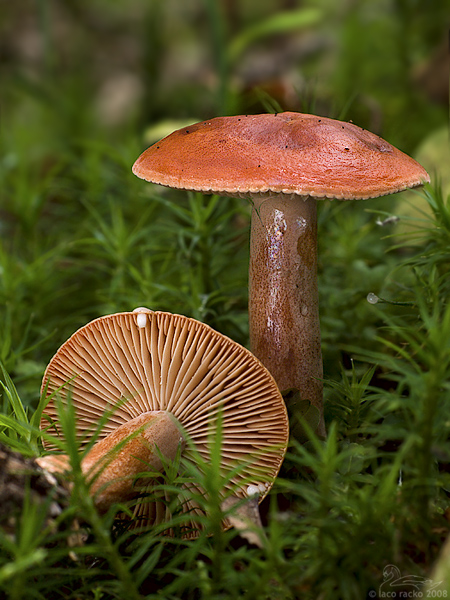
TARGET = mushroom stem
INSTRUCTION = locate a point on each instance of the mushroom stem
(283, 294)
(114, 463)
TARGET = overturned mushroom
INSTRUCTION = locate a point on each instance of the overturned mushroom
(283, 163)
(155, 378)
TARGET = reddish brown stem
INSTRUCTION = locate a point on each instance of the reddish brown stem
(283, 300)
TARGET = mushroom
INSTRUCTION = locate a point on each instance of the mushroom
(154, 382)
(283, 163)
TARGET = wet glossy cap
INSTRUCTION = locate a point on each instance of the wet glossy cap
(288, 153)
(135, 362)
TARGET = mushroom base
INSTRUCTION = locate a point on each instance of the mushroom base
(283, 299)
(114, 464)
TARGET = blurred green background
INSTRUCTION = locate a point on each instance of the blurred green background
(136, 62)
(108, 67)
(87, 85)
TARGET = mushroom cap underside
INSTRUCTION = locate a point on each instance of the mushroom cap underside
(129, 365)
(289, 153)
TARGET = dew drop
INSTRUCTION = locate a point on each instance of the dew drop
(141, 320)
(372, 298)
(141, 316)
(253, 490)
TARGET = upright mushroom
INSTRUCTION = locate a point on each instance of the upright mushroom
(283, 163)
(153, 378)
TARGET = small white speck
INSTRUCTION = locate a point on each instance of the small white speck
(141, 320)
(253, 490)
(304, 310)
(372, 298)
(387, 221)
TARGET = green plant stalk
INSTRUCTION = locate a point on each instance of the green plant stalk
(219, 44)
(427, 427)
(25, 547)
(280, 23)
(435, 353)
(200, 216)
(214, 507)
(103, 538)
(85, 502)
(425, 462)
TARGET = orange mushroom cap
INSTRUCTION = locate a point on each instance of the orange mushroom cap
(288, 153)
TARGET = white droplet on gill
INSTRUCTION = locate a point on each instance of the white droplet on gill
(253, 490)
(141, 320)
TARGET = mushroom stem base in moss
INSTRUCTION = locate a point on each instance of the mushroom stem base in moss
(114, 463)
(283, 299)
